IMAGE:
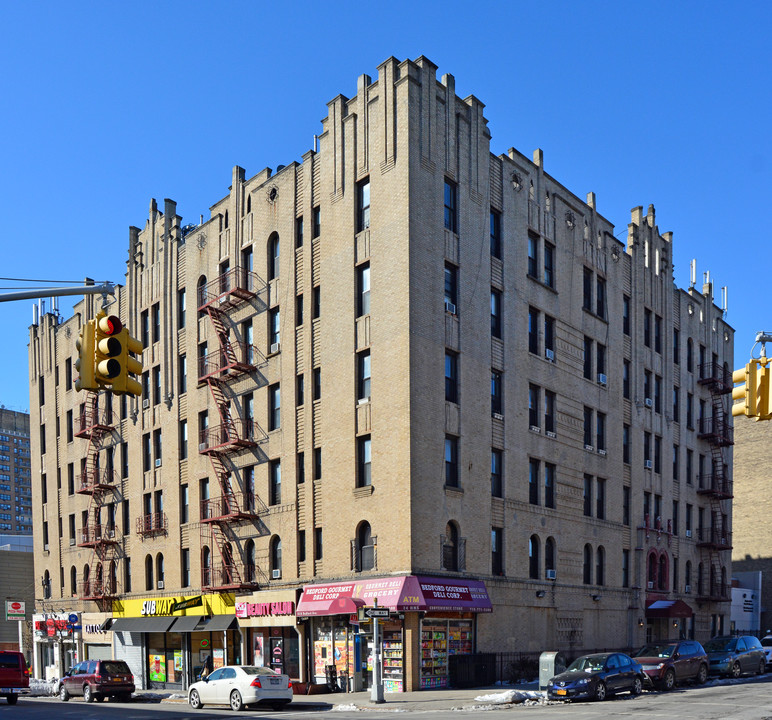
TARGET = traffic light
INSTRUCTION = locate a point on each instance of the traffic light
(107, 348)
(755, 390)
(129, 365)
(85, 364)
(763, 406)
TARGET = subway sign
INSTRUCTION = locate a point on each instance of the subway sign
(162, 606)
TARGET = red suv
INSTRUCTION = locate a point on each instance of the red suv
(669, 663)
(98, 679)
(14, 676)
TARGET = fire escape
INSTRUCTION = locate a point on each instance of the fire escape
(220, 516)
(716, 540)
(100, 582)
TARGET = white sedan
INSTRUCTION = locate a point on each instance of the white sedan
(242, 685)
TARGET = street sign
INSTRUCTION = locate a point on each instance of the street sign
(377, 612)
(14, 610)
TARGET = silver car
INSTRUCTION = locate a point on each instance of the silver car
(241, 685)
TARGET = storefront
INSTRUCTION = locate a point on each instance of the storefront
(269, 625)
(58, 643)
(430, 619)
(166, 640)
(96, 636)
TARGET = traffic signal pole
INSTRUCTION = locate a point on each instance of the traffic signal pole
(105, 289)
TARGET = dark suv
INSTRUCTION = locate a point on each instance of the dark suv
(98, 679)
(668, 663)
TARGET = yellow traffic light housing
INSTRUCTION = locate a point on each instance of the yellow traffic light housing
(747, 377)
(85, 364)
(129, 365)
(107, 348)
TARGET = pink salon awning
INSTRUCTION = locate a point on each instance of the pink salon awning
(399, 593)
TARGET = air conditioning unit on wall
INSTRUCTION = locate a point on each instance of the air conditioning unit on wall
(276, 574)
(552, 574)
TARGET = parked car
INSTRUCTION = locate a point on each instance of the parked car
(734, 656)
(596, 676)
(98, 679)
(669, 663)
(14, 675)
(241, 685)
(766, 643)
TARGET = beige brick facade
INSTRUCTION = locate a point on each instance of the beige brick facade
(408, 134)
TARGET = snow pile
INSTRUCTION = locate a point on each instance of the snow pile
(510, 696)
(345, 708)
(42, 688)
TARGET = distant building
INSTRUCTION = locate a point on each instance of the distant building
(402, 369)
(17, 585)
(745, 616)
(15, 490)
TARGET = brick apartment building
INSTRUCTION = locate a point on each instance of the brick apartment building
(404, 369)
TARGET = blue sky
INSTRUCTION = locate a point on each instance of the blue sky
(108, 105)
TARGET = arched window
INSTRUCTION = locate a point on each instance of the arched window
(226, 577)
(533, 557)
(450, 547)
(249, 203)
(159, 569)
(365, 547)
(206, 566)
(86, 580)
(73, 581)
(273, 257)
(97, 585)
(652, 570)
(249, 555)
(550, 564)
(600, 566)
(276, 557)
(662, 574)
(200, 293)
(149, 572)
(587, 566)
(46, 585)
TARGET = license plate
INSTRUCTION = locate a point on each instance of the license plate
(275, 681)
(561, 692)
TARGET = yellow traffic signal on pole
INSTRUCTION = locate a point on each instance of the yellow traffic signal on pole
(129, 365)
(107, 348)
(85, 364)
(748, 379)
(763, 407)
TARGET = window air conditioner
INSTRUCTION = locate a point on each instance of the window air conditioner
(647, 464)
(601, 451)
(201, 447)
(688, 533)
(276, 574)
(535, 428)
(550, 434)
(45, 547)
(72, 541)
(552, 574)
(158, 462)
(589, 448)
(687, 588)
(450, 307)
(602, 379)
(275, 347)
(549, 354)
(650, 585)
(145, 404)
(160, 584)
(498, 416)
(647, 402)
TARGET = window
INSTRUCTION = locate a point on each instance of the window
(301, 546)
(495, 233)
(157, 385)
(600, 361)
(657, 334)
(676, 346)
(68, 374)
(626, 315)
(533, 330)
(549, 265)
(183, 439)
(451, 461)
(300, 390)
(626, 379)
(497, 551)
(600, 566)
(363, 375)
(587, 290)
(533, 405)
(600, 297)
(318, 546)
(274, 407)
(675, 517)
(451, 288)
(274, 333)
(298, 310)
(549, 485)
(317, 463)
(316, 215)
(676, 461)
(363, 290)
(676, 404)
(495, 313)
(587, 495)
(647, 448)
(451, 376)
(300, 465)
(588, 427)
(533, 256)
(647, 385)
(274, 482)
(497, 463)
(496, 393)
(647, 327)
(156, 310)
(451, 548)
(549, 337)
(317, 389)
(549, 411)
(184, 504)
(600, 499)
(657, 394)
(144, 322)
(273, 257)
(157, 446)
(533, 557)
(316, 306)
(185, 567)
(299, 232)
(451, 206)
(626, 444)
(364, 461)
(625, 568)
(690, 411)
(182, 375)
(365, 548)
(689, 466)
(600, 435)
(550, 563)
(689, 355)
(146, 457)
(588, 358)
(70, 428)
(626, 505)
(363, 205)
(657, 454)
(533, 481)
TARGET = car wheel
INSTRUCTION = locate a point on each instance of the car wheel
(702, 675)
(762, 667)
(236, 702)
(600, 690)
(12, 699)
(195, 700)
(736, 670)
(668, 682)
(64, 696)
(637, 688)
(88, 693)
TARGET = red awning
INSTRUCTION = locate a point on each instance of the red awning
(669, 609)
(330, 606)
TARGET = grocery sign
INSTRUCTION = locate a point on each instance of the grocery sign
(14, 610)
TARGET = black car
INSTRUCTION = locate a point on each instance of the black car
(596, 676)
